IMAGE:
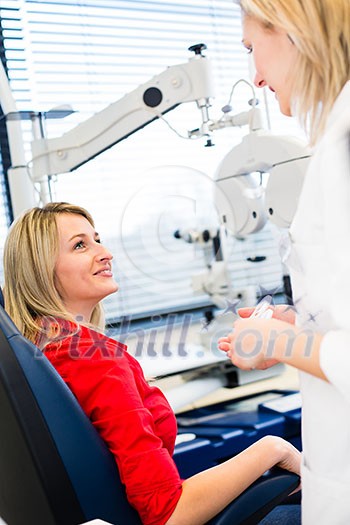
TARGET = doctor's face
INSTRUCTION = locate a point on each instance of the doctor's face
(274, 56)
(83, 271)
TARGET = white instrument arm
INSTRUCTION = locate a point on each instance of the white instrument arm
(21, 187)
(188, 82)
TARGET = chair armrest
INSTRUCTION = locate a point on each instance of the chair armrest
(259, 499)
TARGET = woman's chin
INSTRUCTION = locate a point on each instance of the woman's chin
(285, 109)
(113, 288)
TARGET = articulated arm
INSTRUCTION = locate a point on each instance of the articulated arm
(187, 82)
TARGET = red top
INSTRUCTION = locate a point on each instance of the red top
(134, 419)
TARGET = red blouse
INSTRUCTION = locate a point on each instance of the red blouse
(133, 418)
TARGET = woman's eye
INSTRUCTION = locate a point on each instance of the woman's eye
(79, 245)
(249, 50)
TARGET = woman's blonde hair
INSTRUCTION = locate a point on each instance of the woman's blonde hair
(30, 255)
(320, 29)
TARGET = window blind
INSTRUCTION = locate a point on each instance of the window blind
(89, 54)
(5, 163)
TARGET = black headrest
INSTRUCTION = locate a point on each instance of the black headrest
(2, 301)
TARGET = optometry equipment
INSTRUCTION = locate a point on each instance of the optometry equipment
(259, 151)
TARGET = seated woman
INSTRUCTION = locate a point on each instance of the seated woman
(56, 274)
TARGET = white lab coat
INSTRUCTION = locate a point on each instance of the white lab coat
(319, 264)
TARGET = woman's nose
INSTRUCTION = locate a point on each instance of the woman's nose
(259, 81)
(104, 254)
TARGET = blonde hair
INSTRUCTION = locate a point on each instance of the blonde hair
(30, 255)
(320, 30)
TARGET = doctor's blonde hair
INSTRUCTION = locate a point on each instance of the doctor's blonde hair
(30, 255)
(320, 30)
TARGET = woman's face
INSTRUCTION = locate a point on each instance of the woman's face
(83, 270)
(274, 56)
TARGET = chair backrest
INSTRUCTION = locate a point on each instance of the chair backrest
(54, 467)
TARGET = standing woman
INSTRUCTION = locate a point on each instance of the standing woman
(301, 50)
(56, 273)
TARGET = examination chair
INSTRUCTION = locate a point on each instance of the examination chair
(54, 467)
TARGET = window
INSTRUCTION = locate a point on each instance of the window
(5, 162)
(90, 54)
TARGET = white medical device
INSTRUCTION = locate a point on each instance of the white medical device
(189, 82)
(243, 203)
(283, 157)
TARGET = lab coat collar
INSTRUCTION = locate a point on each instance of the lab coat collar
(341, 102)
